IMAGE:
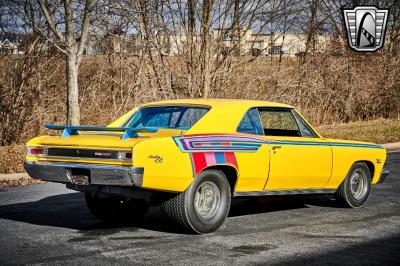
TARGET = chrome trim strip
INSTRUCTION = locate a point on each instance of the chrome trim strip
(284, 192)
(80, 165)
(74, 148)
(85, 158)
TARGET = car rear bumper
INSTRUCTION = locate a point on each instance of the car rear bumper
(98, 174)
(384, 174)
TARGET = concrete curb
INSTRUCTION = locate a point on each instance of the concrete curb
(390, 147)
(14, 176)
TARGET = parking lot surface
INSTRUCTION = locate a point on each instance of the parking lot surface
(48, 223)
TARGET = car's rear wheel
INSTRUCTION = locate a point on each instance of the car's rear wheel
(354, 190)
(204, 206)
(115, 209)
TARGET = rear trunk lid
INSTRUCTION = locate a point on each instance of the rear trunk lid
(90, 147)
(101, 140)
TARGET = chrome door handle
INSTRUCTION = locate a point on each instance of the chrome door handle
(276, 147)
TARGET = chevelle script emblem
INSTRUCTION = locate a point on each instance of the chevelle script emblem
(157, 158)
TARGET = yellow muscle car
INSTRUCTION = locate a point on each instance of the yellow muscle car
(192, 156)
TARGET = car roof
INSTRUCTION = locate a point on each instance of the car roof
(219, 102)
(224, 115)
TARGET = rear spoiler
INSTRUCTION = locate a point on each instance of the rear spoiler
(73, 130)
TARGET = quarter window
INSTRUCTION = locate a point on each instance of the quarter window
(305, 130)
(251, 123)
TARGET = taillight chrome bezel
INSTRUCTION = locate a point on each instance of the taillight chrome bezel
(125, 156)
(34, 151)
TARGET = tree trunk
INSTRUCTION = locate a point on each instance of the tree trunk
(235, 29)
(312, 29)
(73, 112)
(205, 49)
(190, 63)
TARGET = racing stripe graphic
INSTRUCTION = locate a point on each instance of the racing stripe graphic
(214, 149)
(202, 160)
(218, 143)
(237, 143)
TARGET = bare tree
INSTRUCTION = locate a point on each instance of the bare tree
(190, 34)
(205, 45)
(69, 23)
(314, 6)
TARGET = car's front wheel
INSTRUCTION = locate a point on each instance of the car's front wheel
(354, 190)
(204, 206)
(115, 209)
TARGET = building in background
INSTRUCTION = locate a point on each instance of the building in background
(289, 44)
(241, 42)
(8, 47)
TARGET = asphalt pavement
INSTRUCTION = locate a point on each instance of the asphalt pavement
(49, 224)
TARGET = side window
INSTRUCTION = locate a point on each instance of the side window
(250, 123)
(279, 122)
(305, 130)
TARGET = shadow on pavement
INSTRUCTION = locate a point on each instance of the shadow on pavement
(246, 206)
(70, 211)
(384, 251)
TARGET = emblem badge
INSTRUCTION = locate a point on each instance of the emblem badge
(366, 26)
(156, 158)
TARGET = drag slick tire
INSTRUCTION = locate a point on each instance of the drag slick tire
(115, 209)
(204, 206)
(354, 191)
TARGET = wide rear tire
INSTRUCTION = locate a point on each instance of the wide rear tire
(354, 191)
(204, 206)
(115, 209)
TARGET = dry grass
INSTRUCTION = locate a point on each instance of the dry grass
(20, 182)
(12, 159)
(325, 89)
(376, 131)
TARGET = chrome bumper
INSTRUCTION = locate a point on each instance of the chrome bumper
(99, 174)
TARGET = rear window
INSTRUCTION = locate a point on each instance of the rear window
(175, 117)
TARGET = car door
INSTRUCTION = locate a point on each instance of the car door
(299, 159)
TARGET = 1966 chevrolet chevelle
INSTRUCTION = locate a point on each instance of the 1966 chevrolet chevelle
(192, 156)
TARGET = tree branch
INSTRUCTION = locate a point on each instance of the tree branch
(50, 22)
(69, 25)
(50, 40)
(85, 27)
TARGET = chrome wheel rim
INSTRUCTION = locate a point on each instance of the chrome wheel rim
(207, 200)
(358, 184)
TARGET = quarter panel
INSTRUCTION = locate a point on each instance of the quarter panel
(345, 157)
(165, 166)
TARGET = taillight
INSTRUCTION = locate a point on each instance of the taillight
(125, 155)
(37, 151)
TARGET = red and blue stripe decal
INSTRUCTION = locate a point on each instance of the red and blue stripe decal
(202, 160)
